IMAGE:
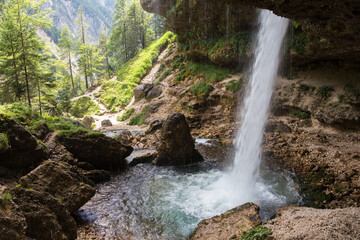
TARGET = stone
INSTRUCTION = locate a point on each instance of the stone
(125, 137)
(153, 93)
(147, 157)
(229, 225)
(46, 217)
(88, 122)
(62, 181)
(154, 126)
(99, 150)
(85, 165)
(97, 176)
(176, 144)
(142, 90)
(12, 221)
(42, 130)
(106, 123)
(310, 223)
(22, 149)
(154, 107)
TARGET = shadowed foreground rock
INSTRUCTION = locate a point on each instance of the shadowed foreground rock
(310, 223)
(229, 225)
(176, 144)
(99, 150)
(18, 148)
(12, 221)
(62, 181)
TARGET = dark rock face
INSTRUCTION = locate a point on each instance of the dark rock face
(100, 151)
(12, 221)
(148, 157)
(106, 123)
(154, 126)
(153, 93)
(176, 144)
(98, 176)
(45, 216)
(62, 181)
(142, 90)
(23, 150)
(229, 225)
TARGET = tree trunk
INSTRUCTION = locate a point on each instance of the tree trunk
(16, 73)
(71, 74)
(39, 95)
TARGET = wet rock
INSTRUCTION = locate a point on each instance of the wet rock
(106, 123)
(148, 157)
(62, 181)
(229, 225)
(142, 90)
(85, 165)
(88, 122)
(176, 144)
(153, 93)
(12, 221)
(311, 223)
(45, 216)
(154, 126)
(98, 176)
(125, 137)
(99, 150)
(19, 149)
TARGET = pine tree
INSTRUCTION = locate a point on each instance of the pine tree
(104, 50)
(66, 47)
(82, 50)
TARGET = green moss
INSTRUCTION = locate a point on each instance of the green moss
(201, 89)
(258, 233)
(126, 115)
(119, 92)
(5, 198)
(84, 106)
(325, 91)
(235, 85)
(300, 42)
(211, 72)
(4, 142)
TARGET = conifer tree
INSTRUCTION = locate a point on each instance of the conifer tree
(83, 47)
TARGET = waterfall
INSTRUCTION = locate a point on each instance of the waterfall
(256, 103)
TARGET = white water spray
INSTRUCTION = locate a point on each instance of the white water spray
(255, 108)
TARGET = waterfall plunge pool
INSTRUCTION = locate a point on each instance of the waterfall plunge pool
(149, 202)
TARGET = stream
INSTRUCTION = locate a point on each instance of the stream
(149, 202)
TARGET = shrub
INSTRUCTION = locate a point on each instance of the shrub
(138, 119)
(126, 115)
(84, 106)
(325, 91)
(305, 88)
(258, 233)
(119, 92)
(300, 114)
(201, 89)
(235, 85)
(164, 74)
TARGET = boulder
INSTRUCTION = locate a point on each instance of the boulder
(310, 223)
(154, 126)
(142, 90)
(229, 225)
(106, 123)
(12, 221)
(153, 93)
(62, 181)
(97, 176)
(46, 217)
(125, 137)
(88, 122)
(19, 149)
(176, 144)
(147, 157)
(99, 150)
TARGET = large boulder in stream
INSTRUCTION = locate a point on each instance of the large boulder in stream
(62, 181)
(176, 144)
(19, 149)
(97, 149)
(229, 225)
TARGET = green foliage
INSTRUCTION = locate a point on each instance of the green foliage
(4, 142)
(300, 114)
(126, 115)
(164, 74)
(201, 89)
(351, 92)
(306, 88)
(211, 72)
(300, 42)
(161, 68)
(138, 119)
(258, 233)
(325, 91)
(5, 198)
(235, 85)
(119, 92)
(84, 106)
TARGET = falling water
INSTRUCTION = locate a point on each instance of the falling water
(255, 108)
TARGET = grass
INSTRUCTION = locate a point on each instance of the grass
(126, 115)
(235, 85)
(119, 92)
(211, 72)
(139, 119)
(83, 107)
(258, 233)
(164, 74)
(300, 114)
(325, 91)
(201, 89)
